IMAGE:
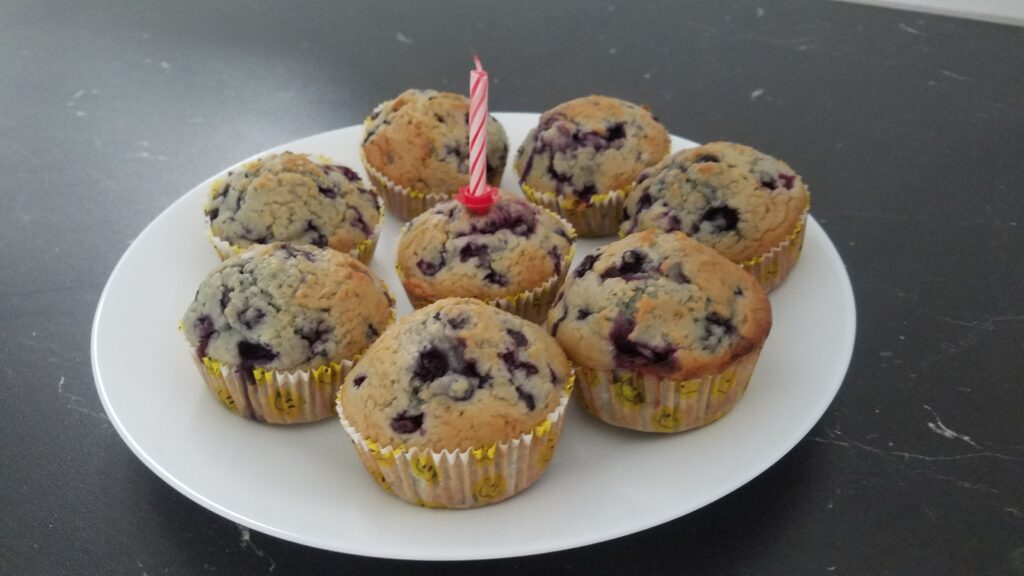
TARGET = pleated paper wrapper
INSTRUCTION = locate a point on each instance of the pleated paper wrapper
(599, 217)
(772, 267)
(643, 402)
(275, 396)
(466, 478)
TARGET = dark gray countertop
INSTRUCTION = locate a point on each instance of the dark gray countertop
(909, 128)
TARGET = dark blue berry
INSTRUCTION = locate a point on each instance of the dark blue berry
(631, 267)
(497, 278)
(205, 330)
(358, 380)
(359, 222)
(644, 202)
(430, 365)
(225, 297)
(616, 131)
(251, 317)
(632, 354)
(458, 322)
(318, 239)
(587, 192)
(554, 376)
(347, 172)
(253, 353)
(429, 268)
(405, 423)
(768, 181)
(788, 180)
(717, 330)
(586, 265)
(707, 158)
(527, 398)
(474, 250)
(721, 218)
(518, 337)
(559, 320)
(315, 337)
(556, 259)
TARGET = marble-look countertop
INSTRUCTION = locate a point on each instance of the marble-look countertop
(909, 128)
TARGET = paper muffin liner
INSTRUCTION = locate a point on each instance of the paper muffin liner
(462, 478)
(772, 267)
(643, 402)
(400, 201)
(362, 252)
(532, 305)
(275, 396)
(599, 217)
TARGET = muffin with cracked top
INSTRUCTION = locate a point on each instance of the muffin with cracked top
(514, 256)
(416, 149)
(293, 198)
(745, 204)
(458, 405)
(273, 329)
(583, 157)
(664, 331)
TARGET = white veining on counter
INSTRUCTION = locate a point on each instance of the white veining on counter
(77, 403)
(245, 541)
(849, 443)
(939, 428)
(909, 30)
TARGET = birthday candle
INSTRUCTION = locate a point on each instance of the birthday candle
(477, 129)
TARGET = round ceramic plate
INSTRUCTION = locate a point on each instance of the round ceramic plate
(305, 484)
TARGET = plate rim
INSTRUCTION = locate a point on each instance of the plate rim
(849, 311)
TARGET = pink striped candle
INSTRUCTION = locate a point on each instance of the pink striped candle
(478, 196)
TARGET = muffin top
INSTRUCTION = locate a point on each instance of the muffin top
(420, 141)
(514, 247)
(731, 197)
(290, 198)
(659, 303)
(590, 146)
(454, 375)
(287, 307)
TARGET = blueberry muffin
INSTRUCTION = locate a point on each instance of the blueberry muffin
(458, 405)
(514, 256)
(291, 198)
(273, 328)
(745, 204)
(664, 331)
(583, 157)
(416, 149)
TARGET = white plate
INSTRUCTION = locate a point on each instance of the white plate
(305, 484)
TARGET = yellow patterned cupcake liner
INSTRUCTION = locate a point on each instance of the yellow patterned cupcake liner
(772, 267)
(275, 396)
(467, 478)
(643, 402)
(532, 305)
(405, 203)
(400, 201)
(362, 252)
(599, 217)
(278, 396)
